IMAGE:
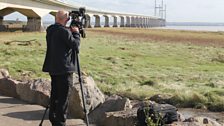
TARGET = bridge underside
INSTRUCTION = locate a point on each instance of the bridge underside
(35, 11)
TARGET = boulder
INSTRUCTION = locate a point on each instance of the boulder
(161, 98)
(181, 117)
(121, 118)
(93, 96)
(197, 121)
(38, 92)
(4, 73)
(203, 121)
(112, 104)
(7, 85)
(35, 92)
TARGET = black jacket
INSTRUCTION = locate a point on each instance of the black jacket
(61, 46)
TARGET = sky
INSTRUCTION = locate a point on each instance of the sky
(177, 10)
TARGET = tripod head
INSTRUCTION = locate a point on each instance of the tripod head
(79, 20)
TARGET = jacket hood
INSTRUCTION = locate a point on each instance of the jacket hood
(53, 27)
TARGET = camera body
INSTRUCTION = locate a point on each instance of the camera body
(79, 20)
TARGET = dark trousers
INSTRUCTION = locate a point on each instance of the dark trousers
(59, 98)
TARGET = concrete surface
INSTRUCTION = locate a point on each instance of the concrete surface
(14, 112)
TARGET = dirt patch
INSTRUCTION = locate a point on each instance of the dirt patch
(23, 43)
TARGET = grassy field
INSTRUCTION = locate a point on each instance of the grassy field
(137, 63)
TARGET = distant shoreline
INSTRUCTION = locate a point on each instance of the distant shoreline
(193, 24)
(195, 28)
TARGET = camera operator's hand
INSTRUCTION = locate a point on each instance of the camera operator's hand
(74, 29)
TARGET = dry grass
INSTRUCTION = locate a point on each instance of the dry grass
(192, 37)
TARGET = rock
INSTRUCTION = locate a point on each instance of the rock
(38, 92)
(161, 98)
(181, 117)
(182, 124)
(121, 118)
(202, 121)
(4, 73)
(119, 103)
(35, 92)
(93, 96)
(113, 103)
(197, 121)
(7, 85)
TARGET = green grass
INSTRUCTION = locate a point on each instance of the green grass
(137, 68)
(22, 60)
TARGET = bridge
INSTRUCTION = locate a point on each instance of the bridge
(35, 10)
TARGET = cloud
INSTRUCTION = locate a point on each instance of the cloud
(177, 10)
(195, 10)
(128, 6)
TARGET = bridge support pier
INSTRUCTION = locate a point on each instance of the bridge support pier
(97, 21)
(150, 22)
(2, 27)
(136, 22)
(1, 20)
(133, 22)
(107, 21)
(128, 22)
(122, 22)
(155, 23)
(34, 24)
(115, 21)
(144, 22)
(88, 22)
(147, 23)
(140, 22)
(164, 23)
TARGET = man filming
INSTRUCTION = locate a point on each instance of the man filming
(60, 63)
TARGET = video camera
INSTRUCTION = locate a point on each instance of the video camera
(79, 20)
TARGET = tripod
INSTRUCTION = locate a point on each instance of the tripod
(42, 120)
(83, 97)
(81, 86)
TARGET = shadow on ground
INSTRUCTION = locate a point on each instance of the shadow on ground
(27, 115)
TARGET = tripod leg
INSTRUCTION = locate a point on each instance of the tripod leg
(42, 120)
(81, 86)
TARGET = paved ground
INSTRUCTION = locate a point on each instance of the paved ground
(14, 112)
